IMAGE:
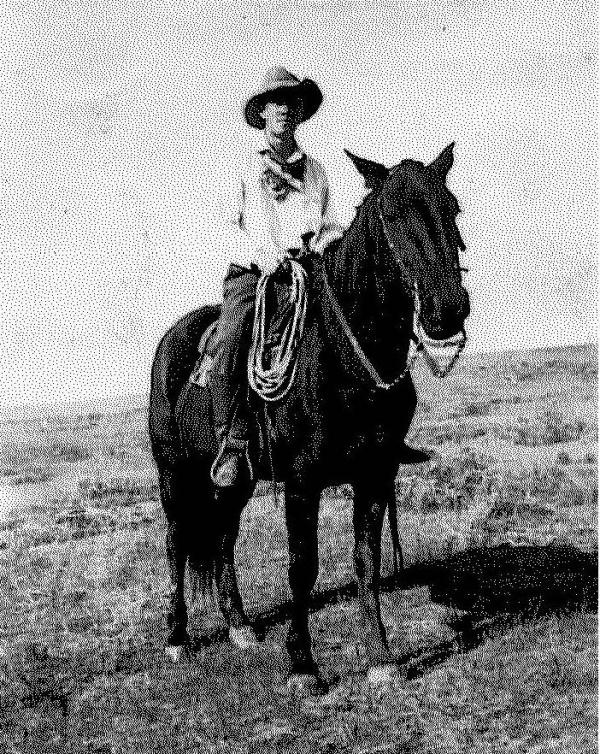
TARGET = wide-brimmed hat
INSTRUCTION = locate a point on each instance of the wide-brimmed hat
(276, 81)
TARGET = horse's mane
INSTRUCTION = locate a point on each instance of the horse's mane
(346, 259)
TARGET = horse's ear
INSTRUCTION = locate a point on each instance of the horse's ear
(443, 162)
(373, 173)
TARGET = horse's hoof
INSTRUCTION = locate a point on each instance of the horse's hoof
(305, 684)
(381, 676)
(244, 637)
(174, 653)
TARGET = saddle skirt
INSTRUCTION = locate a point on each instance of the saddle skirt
(206, 349)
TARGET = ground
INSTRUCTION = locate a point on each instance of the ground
(497, 604)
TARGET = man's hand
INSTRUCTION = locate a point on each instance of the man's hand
(268, 259)
(296, 251)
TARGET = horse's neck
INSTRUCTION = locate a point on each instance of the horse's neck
(363, 278)
(350, 268)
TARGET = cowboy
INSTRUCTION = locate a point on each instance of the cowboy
(282, 198)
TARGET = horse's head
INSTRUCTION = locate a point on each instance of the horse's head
(418, 213)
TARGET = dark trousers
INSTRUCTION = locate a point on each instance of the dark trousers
(233, 334)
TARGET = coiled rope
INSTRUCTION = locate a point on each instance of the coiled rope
(272, 383)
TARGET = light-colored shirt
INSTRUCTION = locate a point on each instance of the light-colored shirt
(265, 228)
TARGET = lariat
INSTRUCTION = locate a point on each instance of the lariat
(273, 382)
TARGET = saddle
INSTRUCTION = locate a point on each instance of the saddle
(276, 309)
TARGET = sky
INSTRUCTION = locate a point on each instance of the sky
(121, 132)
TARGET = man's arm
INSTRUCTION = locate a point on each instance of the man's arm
(330, 229)
(244, 248)
(247, 250)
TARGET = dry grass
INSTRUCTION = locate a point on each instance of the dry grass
(549, 428)
(83, 573)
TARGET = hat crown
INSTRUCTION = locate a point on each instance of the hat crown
(277, 76)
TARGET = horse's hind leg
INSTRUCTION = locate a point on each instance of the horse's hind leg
(177, 617)
(169, 483)
(229, 503)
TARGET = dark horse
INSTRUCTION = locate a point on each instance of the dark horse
(335, 425)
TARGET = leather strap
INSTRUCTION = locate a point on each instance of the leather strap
(362, 356)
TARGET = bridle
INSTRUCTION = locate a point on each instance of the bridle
(432, 350)
(427, 345)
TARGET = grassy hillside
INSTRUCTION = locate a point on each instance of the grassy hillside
(502, 523)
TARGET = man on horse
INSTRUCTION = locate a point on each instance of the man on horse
(282, 200)
(282, 196)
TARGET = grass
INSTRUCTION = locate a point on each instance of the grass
(83, 574)
(549, 428)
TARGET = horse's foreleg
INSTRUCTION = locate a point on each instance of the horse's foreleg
(230, 503)
(370, 501)
(302, 512)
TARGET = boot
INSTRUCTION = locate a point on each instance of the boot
(232, 466)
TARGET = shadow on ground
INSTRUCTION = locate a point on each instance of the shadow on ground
(516, 579)
(490, 587)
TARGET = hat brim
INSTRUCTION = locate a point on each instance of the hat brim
(307, 90)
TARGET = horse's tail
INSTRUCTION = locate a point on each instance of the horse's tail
(398, 561)
(202, 582)
(200, 521)
(205, 538)
(183, 481)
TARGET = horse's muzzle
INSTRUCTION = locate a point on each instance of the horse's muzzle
(444, 316)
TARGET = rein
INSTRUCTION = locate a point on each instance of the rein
(358, 350)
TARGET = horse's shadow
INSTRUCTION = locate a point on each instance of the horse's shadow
(490, 588)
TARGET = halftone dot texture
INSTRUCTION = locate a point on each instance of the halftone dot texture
(122, 132)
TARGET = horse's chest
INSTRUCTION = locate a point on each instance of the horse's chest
(365, 424)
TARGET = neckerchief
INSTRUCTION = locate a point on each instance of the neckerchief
(281, 178)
